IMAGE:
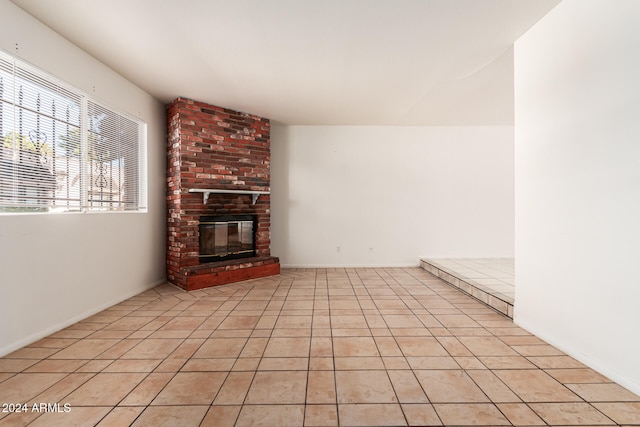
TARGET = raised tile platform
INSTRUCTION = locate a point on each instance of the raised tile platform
(489, 280)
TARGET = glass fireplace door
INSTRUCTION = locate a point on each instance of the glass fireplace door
(223, 238)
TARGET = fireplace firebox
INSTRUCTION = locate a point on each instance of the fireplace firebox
(227, 237)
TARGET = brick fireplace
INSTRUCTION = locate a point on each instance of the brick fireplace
(218, 169)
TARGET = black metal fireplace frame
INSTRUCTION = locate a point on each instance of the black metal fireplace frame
(208, 258)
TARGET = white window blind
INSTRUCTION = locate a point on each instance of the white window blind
(61, 150)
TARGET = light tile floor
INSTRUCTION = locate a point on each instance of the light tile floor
(349, 347)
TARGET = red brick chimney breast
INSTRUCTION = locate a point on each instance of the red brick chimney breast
(215, 148)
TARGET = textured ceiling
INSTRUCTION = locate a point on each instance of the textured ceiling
(337, 62)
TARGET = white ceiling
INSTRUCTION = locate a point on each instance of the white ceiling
(332, 62)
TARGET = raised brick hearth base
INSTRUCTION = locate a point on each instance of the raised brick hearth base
(214, 148)
(224, 272)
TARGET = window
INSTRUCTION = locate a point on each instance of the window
(61, 150)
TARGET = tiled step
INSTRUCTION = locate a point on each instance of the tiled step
(457, 277)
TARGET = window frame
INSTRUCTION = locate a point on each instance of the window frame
(16, 197)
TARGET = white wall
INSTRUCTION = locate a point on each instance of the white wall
(58, 268)
(387, 196)
(578, 183)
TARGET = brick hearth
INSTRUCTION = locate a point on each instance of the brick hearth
(211, 147)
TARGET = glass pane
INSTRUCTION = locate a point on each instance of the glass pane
(226, 237)
(221, 239)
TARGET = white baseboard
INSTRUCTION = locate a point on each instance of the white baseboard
(605, 369)
(348, 265)
(51, 329)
